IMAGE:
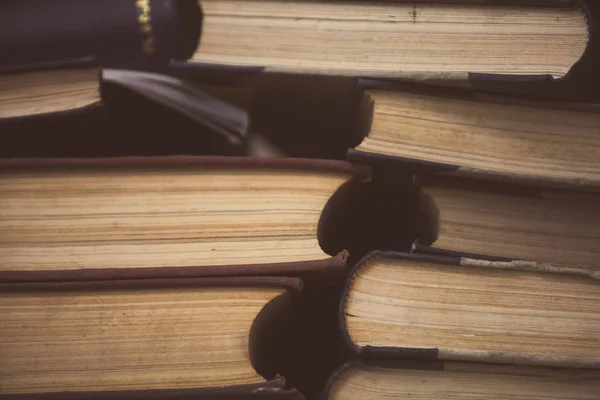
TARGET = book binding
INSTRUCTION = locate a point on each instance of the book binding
(135, 34)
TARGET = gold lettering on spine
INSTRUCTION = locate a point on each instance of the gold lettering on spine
(144, 19)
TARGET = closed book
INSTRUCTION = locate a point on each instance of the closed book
(139, 34)
(399, 306)
(55, 52)
(474, 134)
(509, 222)
(545, 48)
(52, 49)
(145, 339)
(137, 217)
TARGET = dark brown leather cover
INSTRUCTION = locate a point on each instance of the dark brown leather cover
(124, 284)
(140, 34)
(288, 269)
(337, 262)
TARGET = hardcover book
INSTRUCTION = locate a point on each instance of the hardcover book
(159, 339)
(474, 134)
(53, 52)
(543, 47)
(509, 222)
(400, 305)
(131, 34)
(167, 217)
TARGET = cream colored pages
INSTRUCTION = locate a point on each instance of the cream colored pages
(392, 38)
(43, 92)
(476, 313)
(499, 138)
(128, 339)
(551, 227)
(150, 218)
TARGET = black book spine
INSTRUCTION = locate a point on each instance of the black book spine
(140, 34)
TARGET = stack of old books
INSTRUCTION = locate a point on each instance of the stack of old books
(473, 179)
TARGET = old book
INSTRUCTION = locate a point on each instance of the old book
(449, 308)
(54, 51)
(184, 338)
(138, 34)
(473, 134)
(510, 222)
(459, 381)
(165, 217)
(539, 44)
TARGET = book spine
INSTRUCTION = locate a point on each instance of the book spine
(137, 34)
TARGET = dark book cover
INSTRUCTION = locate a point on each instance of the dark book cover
(139, 34)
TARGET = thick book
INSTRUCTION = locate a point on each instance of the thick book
(158, 339)
(400, 305)
(54, 52)
(459, 381)
(509, 222)
(469, 133)
(537, 46)
(167, 216)
(138, 34)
